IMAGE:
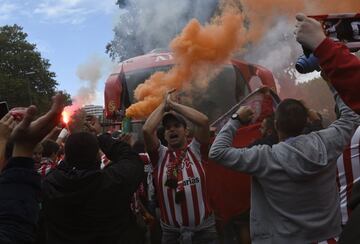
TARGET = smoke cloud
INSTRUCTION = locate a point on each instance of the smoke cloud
(198, 50)
(271, 38)
(277, 50)
(332, 6)
(89, 73)
(144, 25)
(261, 30)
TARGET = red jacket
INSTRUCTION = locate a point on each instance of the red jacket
(343, 70)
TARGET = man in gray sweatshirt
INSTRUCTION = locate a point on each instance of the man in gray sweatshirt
(294, 196)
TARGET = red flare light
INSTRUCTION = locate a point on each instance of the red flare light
(67, 113)
(65, 117)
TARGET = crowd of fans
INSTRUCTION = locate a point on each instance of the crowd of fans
(81, 186)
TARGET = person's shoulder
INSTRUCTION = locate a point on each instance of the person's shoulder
(157, 155)
(310, 147)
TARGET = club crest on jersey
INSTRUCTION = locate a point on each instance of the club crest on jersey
(186, 163)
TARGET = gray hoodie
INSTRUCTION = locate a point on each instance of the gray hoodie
(294, 197)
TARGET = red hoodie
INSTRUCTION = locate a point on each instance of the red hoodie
(343, 70)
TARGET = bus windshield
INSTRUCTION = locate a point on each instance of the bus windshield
(222, 92)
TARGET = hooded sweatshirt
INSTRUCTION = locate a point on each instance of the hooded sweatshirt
(91, 205)
(294, 198)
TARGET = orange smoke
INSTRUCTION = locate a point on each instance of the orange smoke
(261, 14)
(200, 49)
(196, 50)
(332, 6)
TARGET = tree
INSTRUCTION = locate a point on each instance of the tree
(24, 75)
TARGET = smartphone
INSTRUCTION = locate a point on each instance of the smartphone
(4, 109)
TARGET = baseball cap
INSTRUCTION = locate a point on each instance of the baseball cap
(173, 116)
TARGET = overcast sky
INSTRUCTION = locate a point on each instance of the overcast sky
(67, 32)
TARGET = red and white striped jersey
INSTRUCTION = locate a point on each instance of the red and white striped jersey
(330, 241)
(104, 161)
(348, 172)
(46, 165)
(145, 191)
(194, 208)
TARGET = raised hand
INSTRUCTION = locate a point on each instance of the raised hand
(29, 132)
(246, 114)
(7, 124)
(169, 100)
(93, 125)
(309, 32)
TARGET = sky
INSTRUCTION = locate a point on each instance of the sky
(67, 32)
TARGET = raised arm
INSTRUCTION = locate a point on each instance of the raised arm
(340, 66)
(339, 133)
(248, 160)
(149, 128)
(19, 182)
(126, 168)
(342, 69)
(200, 120)
(7, 124)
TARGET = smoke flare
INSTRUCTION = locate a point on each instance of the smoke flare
(199, 50)
(196, 50)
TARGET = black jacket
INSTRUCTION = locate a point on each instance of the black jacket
(92, 205)
(19, 207)
(351, 233)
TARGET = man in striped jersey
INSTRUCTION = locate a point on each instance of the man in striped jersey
(348, 173)
(49, 155)
(179, 174)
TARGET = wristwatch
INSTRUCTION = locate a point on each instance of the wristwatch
(236, 116)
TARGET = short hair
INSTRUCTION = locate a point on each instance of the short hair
(291, 117)
(81, 150)
(50, 147)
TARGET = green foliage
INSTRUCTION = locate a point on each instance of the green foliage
(24, 75)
